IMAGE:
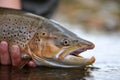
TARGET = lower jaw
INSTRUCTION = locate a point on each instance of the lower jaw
(78, 60)
(70, 61)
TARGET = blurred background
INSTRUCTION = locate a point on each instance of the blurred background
(95, 20)
(101, 15)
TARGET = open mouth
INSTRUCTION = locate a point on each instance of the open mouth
(72, 55)
(82, 49)
(78, 51)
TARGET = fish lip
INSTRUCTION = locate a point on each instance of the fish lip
(79, 51)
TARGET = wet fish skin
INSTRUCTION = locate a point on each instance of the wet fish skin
(16, 28)
(43, 40)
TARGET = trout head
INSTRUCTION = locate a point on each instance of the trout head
(53, 45)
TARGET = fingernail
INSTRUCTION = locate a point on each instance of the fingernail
(15, 48)
(32, 64)
(4, 44)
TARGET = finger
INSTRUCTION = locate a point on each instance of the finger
(4, 54)
(32, 64)
(15, 55)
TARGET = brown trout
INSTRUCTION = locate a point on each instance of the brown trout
(43, 40)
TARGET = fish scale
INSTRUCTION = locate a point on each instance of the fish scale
(16, 29)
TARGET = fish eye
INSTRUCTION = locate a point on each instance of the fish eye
(66, 42)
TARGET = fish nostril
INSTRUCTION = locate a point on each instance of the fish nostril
(76, 41)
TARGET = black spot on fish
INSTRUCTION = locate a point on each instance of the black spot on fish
(3, 30)
(24, 32)
(4, 37)
(15, 35)
(16, 23)
(17, 42)
(20, 21)
(29, 35)
(20, 31)
(9, 27)
(38, 39)
(29, 32)
(6, 25)
(22, 27)
(15, 19)
(13, 29)
(9, 19)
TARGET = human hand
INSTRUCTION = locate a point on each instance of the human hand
(13, 58)
(15, 4)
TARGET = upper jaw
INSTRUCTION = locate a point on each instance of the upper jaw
(80, 50)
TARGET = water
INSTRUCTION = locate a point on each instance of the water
(41, 73)
(106, 67)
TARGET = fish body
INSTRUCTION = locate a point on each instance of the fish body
(43, 40)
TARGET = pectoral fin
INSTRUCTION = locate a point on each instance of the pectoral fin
(25, 59)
